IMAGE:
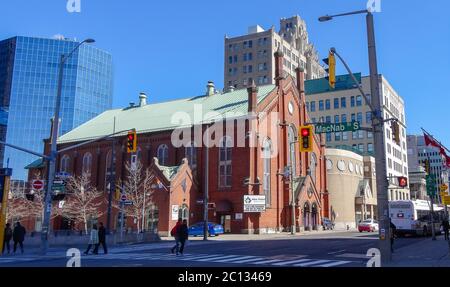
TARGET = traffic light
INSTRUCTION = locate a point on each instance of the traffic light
(131, 141)
(402, 181)
(427, 166)
(395, 132)
(331, 70)
(306, 138)
(117, 193)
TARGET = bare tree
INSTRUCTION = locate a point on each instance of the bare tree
(83, 200)
(137, 189)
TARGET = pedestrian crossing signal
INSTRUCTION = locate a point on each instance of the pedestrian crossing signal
(402, 181)
(306, 138)
(131, 141)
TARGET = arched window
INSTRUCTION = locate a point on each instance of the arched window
(191, 154)
(267, 156)
(163, 154)
(312, 166)
(153, 218)
(87, 163)
(291, 148)
(65, 164)
(225, 162)
(183, 212)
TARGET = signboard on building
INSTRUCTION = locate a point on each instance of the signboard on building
(238, 216)
(175, 209)
(322, 128)
(254, 203)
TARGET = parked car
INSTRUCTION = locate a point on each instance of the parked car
(369, 225)
(214, 229)
(327, 224)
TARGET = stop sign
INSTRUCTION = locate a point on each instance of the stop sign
(38, 184)
(123, 197)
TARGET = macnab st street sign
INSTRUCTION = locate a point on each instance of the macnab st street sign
(322, 128)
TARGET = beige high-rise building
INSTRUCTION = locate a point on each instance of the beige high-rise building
(345, 104)
(250, 57)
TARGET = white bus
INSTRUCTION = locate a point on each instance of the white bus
(413, 216)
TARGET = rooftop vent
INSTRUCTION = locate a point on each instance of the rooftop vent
(142, 99)
(210, 89)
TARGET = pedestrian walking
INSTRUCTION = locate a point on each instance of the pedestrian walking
(93, 240)
(446, 227)
(101, 239)
(392, 230)
(19, 236)
(7, 238)
(174, 233)
(183, 234)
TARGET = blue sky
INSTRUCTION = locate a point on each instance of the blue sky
(170, 49)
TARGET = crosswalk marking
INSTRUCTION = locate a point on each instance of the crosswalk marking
(218, 257)
(240, 261)
(213, 258)
(266, 261)
(335, 263)
(315, 262)
(290, 262)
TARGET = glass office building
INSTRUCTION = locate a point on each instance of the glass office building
(28, 87)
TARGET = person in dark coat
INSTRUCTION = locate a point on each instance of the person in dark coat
(101, 239)
(7, 238)
(19, 236)
(392, 231)
(174, 233)
(183, 234)
(446, 227)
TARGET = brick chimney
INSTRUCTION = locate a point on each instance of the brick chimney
(279, 75)
(252, 97)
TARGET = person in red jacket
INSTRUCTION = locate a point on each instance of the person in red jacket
(174, 233)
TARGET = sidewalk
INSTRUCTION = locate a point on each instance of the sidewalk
(426, 253)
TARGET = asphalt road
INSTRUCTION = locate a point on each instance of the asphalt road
(337, 249)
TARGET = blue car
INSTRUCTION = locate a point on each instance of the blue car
(214, 229)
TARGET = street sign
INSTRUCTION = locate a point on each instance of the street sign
(200, 201)
(444, 187)
(127, 202)
(38, 184)
(123, 197)
(446, 200)
(431, 185)
(62, 174)
(322, 128)
(59, 182)
(254, 203)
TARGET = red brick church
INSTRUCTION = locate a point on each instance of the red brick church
(234, 169)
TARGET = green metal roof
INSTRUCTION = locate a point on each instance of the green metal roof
(39, 163)
(169, 171)
(158, 116)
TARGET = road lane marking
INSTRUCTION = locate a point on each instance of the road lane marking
(331, 253)
(333, 264)
(266, 261)
(218, 257)
(290, 262)
(315, 262)
(353, 255)
(240, 258)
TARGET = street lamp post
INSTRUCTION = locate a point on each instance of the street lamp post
(53, 151)
(378, 129)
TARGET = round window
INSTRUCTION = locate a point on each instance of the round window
(329, 164)
(341, 165)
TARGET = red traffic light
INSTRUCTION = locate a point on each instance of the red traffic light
(402, 181)
(305, 132)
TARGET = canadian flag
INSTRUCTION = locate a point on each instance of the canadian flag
(431, 141)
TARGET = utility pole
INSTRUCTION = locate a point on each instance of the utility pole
(380, 155)
(378, 130)
(112, 182)
(54, 152)
(205, 199)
